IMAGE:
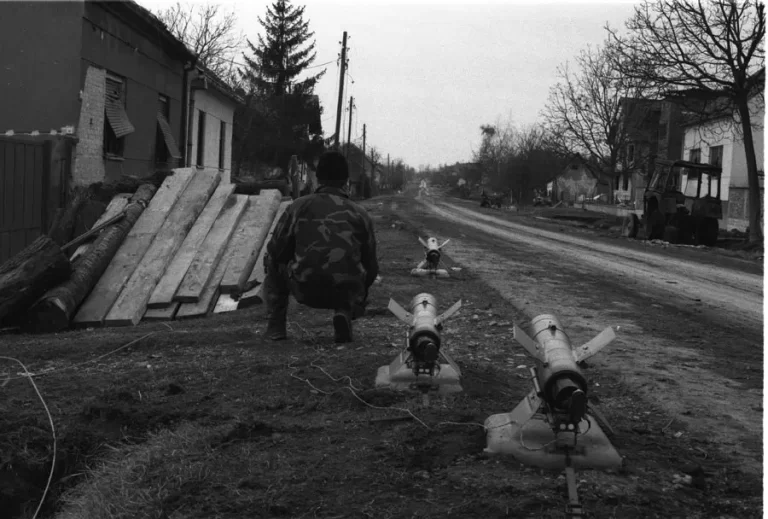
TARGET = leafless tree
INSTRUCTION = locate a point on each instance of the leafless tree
(715, 48)
(210, 33)
(589, 108)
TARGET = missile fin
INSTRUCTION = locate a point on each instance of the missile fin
(602, 340)
(448, 313)
(400, 312)
(527, 407)
(443, 245)
(423, 242)
(526, 342)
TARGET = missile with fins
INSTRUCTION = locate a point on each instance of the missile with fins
(559, 382)
(430, 265)
(419, 364)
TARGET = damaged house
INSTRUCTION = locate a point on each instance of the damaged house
(92, 91)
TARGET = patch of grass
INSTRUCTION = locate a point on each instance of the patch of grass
(144, 480)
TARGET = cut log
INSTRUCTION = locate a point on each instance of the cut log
(162, 296)
(257, 273)
(53, 312)
(108, 288)
(61, 231)
(211, 251)
(161, 314)
(248, 240)
(132, 301)
(114, 208)
(27, 275)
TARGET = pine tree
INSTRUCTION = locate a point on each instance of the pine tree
(283, 53)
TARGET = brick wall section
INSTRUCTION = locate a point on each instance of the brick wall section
(88, 157)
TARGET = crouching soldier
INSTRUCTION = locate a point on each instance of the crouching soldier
(323, 251)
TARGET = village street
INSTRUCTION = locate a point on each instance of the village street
(689, 330)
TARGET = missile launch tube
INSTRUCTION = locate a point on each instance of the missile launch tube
(559, 375)
(424, 310)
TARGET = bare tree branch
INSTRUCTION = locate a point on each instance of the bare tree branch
(210, 33)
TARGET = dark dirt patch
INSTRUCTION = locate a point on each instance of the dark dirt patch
(291, 434)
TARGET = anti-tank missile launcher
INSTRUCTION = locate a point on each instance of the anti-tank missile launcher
(554, 418)
(558, 381)
(430, 265)
(418, 367)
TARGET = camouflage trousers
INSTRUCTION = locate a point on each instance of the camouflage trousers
(279, 285)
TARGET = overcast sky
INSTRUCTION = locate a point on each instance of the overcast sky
(426, 75)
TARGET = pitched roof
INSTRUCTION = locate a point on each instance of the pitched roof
(133, 12)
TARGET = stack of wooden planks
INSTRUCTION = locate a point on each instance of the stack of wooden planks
(196, 241)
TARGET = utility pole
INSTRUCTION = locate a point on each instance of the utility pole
(363, 147)
(363, 163)
(349, 129)
(343, 68)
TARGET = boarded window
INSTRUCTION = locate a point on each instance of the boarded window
(222, 143)
(200, 137)
(165, 144)
(116, 123)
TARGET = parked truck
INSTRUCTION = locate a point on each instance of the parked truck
(681, 204)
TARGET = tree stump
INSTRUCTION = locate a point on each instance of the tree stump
(27, 275)
(53, 311)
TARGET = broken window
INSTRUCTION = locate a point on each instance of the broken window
(116, 123)
(166, 149)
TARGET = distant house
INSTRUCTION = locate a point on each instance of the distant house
(718, 140)
(580, 180)
(212, 106)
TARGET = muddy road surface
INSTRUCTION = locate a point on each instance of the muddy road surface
(690, 333)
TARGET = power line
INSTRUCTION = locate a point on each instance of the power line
(240, 64)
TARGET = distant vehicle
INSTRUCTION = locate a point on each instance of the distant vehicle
(680, 213)
(542, 201)
(491, 199)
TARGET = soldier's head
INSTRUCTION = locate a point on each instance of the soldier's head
(332, 169)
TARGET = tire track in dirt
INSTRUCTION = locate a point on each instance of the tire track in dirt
(737, 293)
(660, 353)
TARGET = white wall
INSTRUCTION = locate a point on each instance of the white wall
(726, 133)
(217, 109)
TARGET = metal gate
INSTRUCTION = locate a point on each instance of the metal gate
(23, 193)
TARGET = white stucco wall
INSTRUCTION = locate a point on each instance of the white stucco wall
(217, 109)
(727, 134)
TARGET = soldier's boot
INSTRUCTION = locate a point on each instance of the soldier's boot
(342, 325)
(277, 326)
(276, 294)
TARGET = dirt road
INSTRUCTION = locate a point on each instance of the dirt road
(690, 333)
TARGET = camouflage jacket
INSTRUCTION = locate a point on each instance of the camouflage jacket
(325, 236)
